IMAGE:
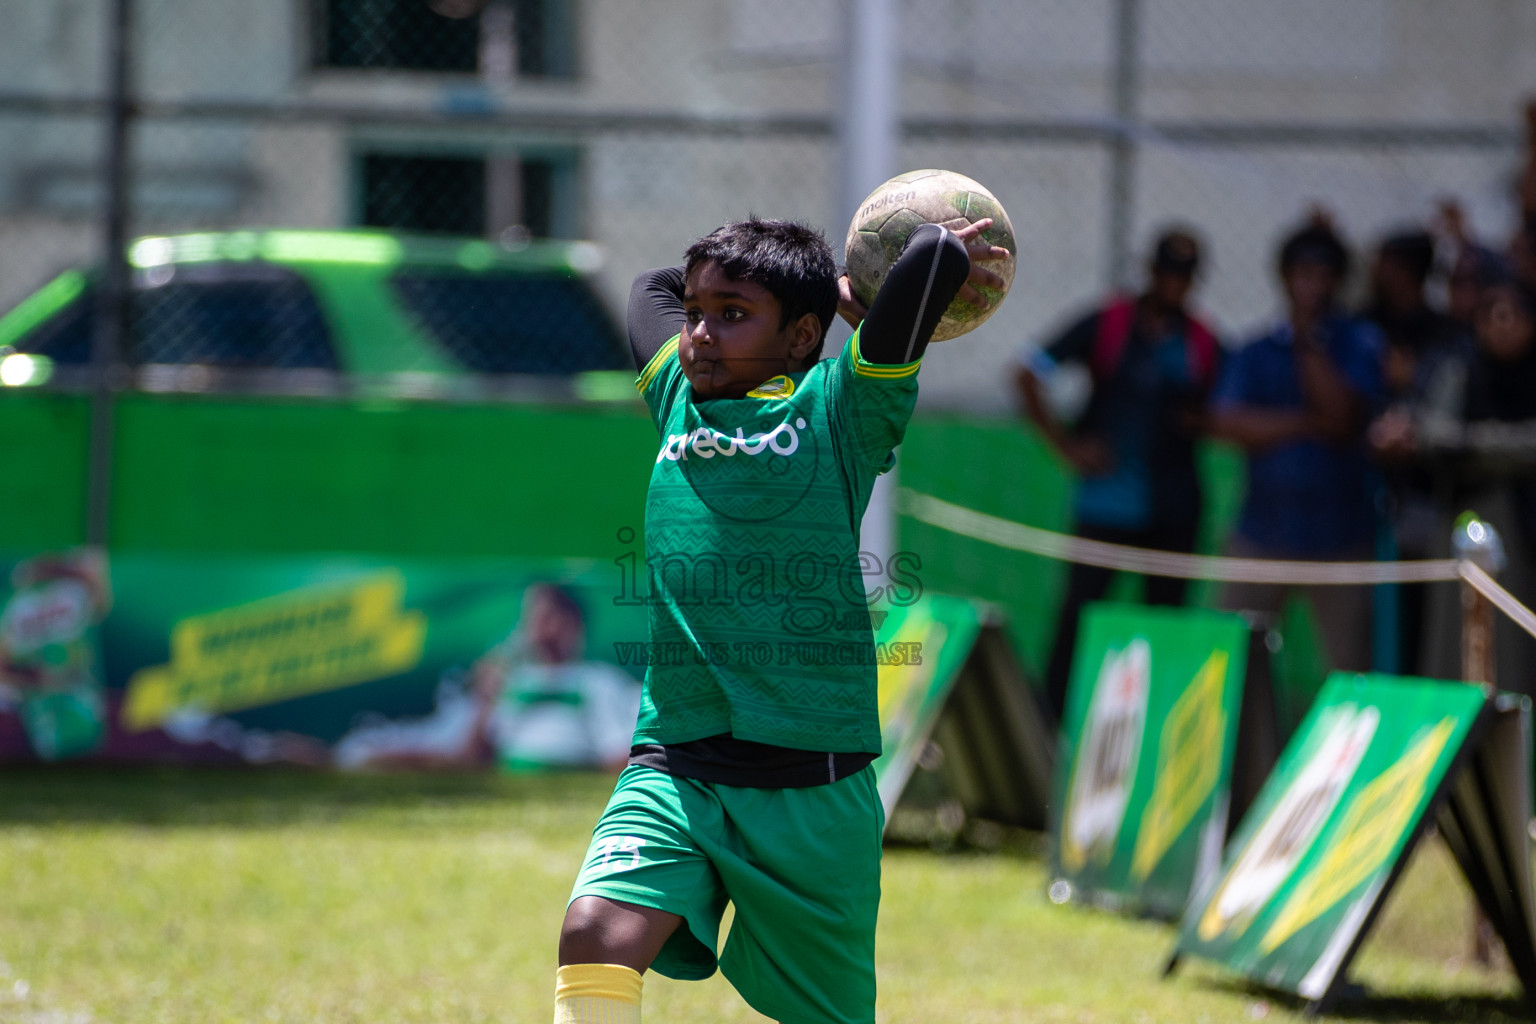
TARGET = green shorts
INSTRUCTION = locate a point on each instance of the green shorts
(801, 866)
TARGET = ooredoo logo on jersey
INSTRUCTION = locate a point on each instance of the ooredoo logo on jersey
(706, 443)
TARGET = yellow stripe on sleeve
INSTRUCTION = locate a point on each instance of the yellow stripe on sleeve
(879, 371)
(653, 367)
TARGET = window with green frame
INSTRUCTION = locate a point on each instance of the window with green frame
(493, 38)
(532, 194)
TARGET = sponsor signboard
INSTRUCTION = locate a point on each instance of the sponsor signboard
(962, 708)
(913, 694)
(1145, 755)
(352, 661)
(1374, 761)
(360, 662)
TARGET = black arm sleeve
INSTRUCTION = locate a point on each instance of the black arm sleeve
(914, 296)
(655, 312)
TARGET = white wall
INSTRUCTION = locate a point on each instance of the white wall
(647, 195)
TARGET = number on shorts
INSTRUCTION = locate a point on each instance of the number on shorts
(620, 845)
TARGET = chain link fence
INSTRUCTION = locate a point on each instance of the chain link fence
(638, 126)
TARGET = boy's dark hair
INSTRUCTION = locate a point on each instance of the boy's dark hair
(1315, 243)
(792, 261)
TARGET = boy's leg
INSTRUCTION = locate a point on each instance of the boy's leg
(646, 898)
(605, 947)
(599, 930)
(803, 870)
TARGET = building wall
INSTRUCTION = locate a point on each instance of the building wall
(647, 191)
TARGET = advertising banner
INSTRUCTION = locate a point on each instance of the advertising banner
(1144, 761)
(942, 631)
(953, 699)
(348, 661)
(1311, 863)
(1485, 823)
(362, 663)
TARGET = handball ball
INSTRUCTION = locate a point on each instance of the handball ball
(894, 210)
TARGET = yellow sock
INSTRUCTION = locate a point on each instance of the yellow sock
(597, 994)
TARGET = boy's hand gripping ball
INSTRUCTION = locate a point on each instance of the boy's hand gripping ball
(894, 210)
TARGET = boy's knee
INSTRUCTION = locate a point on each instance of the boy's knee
(600, 931)
(585, 932)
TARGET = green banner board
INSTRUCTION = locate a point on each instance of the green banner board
(1310, 864)
(1485, 822)
(954, 700)
(1144, 760)
(344, 660)
(359, 662)
(940, 631)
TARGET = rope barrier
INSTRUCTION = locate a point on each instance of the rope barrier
(1047, 543)
(1006, 533)
(1502, 599)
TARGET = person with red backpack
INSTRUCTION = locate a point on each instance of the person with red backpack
(1151, 364)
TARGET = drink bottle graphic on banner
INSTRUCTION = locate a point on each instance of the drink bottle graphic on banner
(1145, 755)
(1187, 775)
(1378, 814)
(50, 661)
(1106, 770)
(1375, 761)
(1287, 834)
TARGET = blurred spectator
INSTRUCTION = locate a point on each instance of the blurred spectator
(1475, 431)
(1522, 247)
(1525, 188)
(1151, 364)
(1297, 399)
(1470, 267)
(1418, 338)
(1522, 258)
(532, 702)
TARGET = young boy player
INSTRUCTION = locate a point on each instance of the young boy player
(750, 778)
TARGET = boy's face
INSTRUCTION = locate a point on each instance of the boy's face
(733, 339)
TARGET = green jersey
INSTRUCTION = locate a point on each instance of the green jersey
(759, 620)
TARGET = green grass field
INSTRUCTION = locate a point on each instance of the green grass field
(180, 896)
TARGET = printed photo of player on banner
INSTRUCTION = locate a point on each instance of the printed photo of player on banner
(349, 662)
(364, 664)
(1145, 757)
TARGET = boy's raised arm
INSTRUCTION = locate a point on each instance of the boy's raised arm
(655, 312)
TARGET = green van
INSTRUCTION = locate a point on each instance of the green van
(312, 308)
